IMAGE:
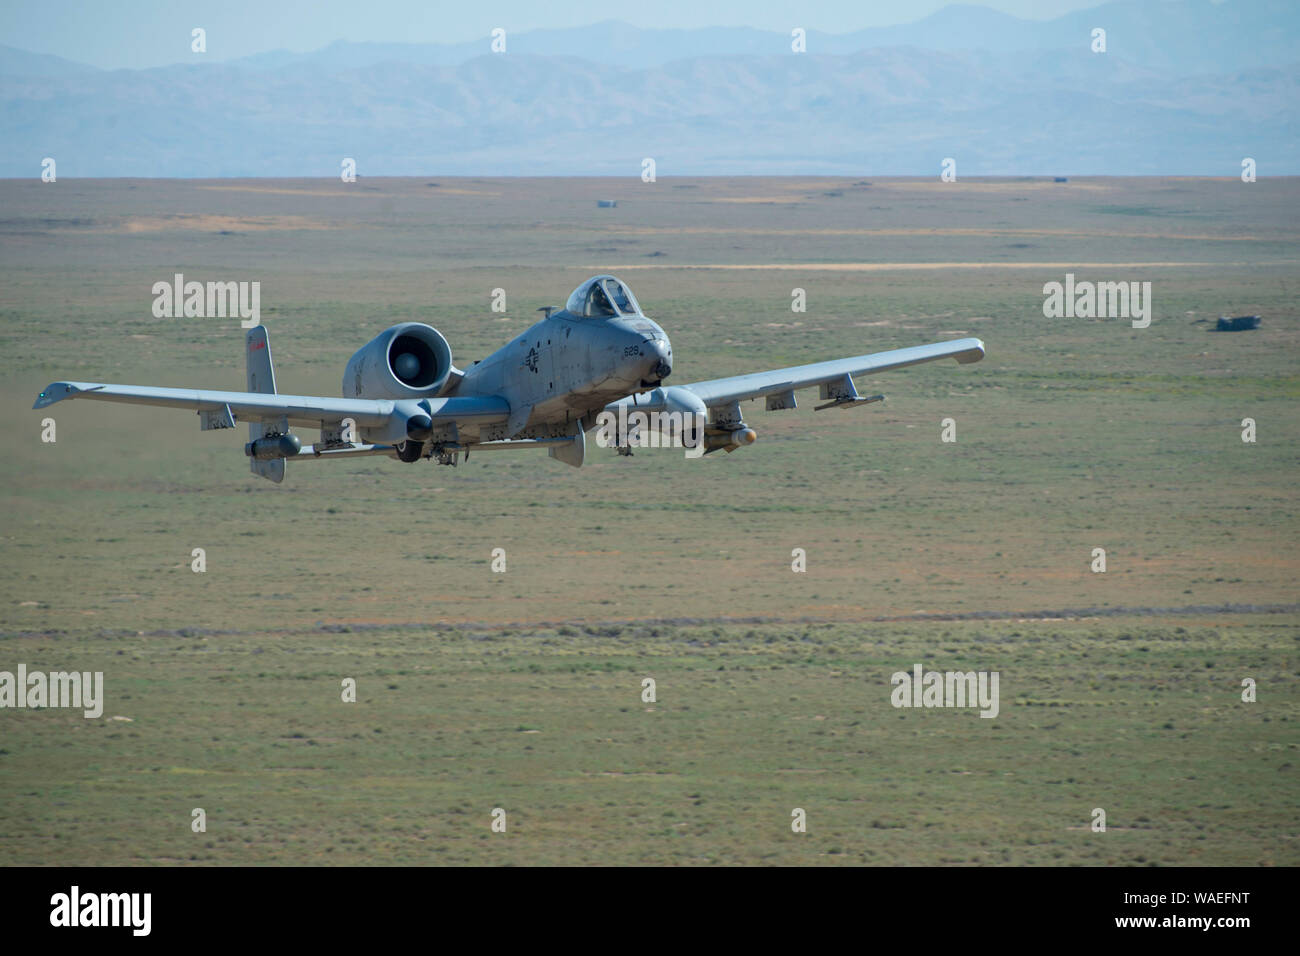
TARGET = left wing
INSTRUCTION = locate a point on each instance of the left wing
(717, 401)
(835, 377)
(724, 391)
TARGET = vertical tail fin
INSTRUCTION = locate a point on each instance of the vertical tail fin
(261, 378)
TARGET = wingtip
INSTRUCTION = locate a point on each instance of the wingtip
(972, 354)
(58, 391)
(54, 392)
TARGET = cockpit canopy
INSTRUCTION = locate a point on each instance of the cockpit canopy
(602, 297)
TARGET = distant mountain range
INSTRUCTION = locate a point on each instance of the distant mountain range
(1185, 87)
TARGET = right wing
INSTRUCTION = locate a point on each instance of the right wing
(306, 410)
(270, 415)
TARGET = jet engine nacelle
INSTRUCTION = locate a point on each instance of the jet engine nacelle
(411, 360)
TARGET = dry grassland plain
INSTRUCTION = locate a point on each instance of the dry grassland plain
(522, 690)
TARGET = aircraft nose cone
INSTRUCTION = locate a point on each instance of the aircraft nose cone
(661, 354)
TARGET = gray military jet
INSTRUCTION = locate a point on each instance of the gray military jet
(404, 398)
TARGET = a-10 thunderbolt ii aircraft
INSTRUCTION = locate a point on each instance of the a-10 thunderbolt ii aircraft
(404, 398)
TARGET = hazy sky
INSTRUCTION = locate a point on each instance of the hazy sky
(144, 33)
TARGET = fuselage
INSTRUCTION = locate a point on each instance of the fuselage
(570, 365)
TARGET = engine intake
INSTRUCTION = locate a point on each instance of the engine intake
(411, 360)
